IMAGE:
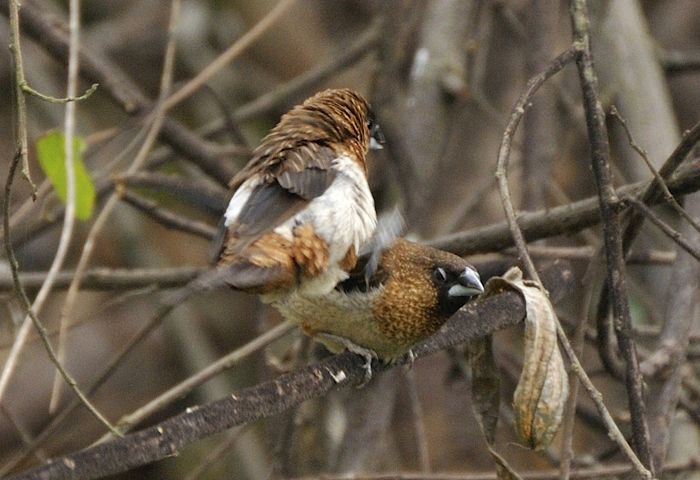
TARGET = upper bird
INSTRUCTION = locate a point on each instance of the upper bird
(405, 298)
(301, 207)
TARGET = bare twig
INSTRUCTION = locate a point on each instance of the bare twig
(168, 218)
(50, 34)
(43, 334)
(34, 309)
(229, 55)
(661, 183)
(504, 153)
(566, 219)
(110, 278)
(196, 193)
(612, 234)
(158, 119)
(20, 101)
(642, 257)
(127, 422)
(672, 233)
(606, 471)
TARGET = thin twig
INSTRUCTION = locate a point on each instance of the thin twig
(69, 99)
(660, 181)
(168, 218)
(50, 33)
(68, 154)
(196, 193)
(100, 222)
(109, 278)
(418, 422)
(216, 454)
(33, 310)
(612, 233)
(20, 101)
(127, 422)
(565, 219)
(504, 153)
(642, 257)
(671, 232)
(605, 471)
(43, 334)
(229, 55)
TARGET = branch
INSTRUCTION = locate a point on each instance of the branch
(50, 33)
(565, 219)
(168, 218)
(477, 319)
(612, 233)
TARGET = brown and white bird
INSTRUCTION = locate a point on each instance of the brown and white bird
(302, 208)
(409, 295)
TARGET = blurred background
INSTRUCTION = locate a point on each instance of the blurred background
(442, 76)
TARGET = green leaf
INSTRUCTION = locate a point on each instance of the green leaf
(50, 150)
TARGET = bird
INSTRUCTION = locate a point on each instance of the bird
(302, 208)
(405, 298)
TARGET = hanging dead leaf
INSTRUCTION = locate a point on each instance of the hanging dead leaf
(543, 386)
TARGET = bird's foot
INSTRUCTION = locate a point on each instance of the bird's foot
(367, 354)
(410, 358)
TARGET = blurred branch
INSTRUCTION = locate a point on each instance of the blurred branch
(231, 53)
(605, 471)
(676, 61)
(195, 193)
(565, 219)
(642, 257)
(542, 123)
(168, 218)
(50, 33)
(293, 90)
(477, 319)
(553, 67)
(672, 233)
(110, 278)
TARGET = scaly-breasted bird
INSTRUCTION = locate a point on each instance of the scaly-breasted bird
(410, 295)
(301, 207)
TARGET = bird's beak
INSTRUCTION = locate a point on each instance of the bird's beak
(374, 144)
(469, 284)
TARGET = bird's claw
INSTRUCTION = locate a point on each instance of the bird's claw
(410, 358)
(367, 354)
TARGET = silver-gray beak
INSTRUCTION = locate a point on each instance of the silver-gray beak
(374, 144)
(469, 284)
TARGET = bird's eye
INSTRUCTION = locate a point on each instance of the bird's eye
(440, 274)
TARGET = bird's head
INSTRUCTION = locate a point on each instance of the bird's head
(423, 287)
(339, 118)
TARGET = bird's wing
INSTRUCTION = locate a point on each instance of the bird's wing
(290, 181)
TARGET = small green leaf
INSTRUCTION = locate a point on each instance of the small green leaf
(50, 150)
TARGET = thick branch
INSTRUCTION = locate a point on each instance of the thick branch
(476, 320)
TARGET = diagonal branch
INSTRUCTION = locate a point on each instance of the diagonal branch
(477, 319)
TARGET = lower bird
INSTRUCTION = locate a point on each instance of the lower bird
(381, 313)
